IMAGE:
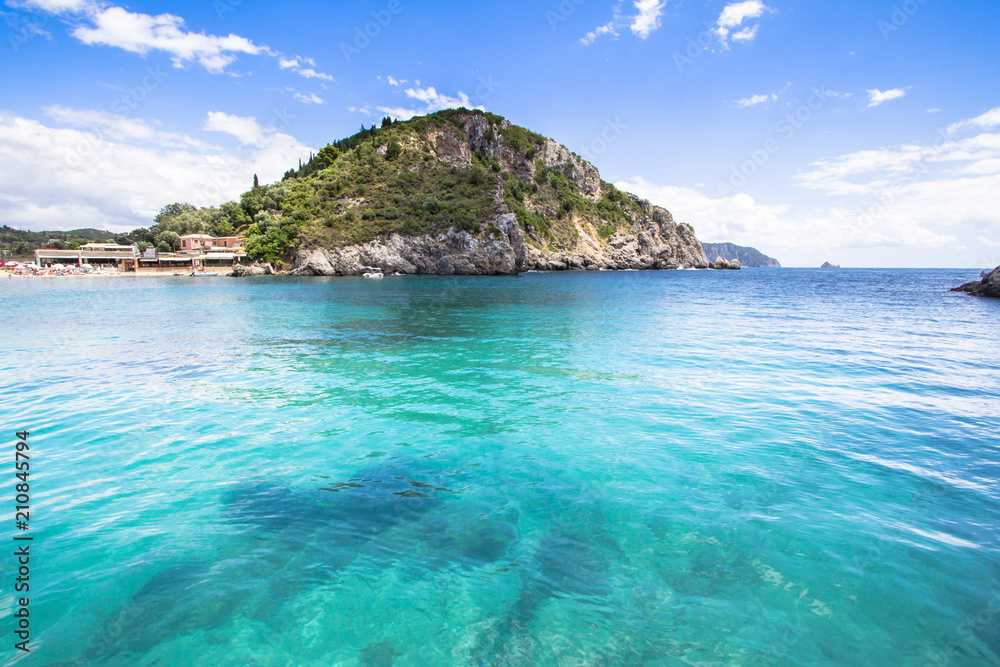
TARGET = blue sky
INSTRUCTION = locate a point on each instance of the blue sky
(864, 133)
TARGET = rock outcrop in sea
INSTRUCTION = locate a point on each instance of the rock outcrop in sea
(988, 286)
(721, 264)
(828, 265)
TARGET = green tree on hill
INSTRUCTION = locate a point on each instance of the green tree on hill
(393, 150)
(170, 239)
(172, 210)
(269, 238)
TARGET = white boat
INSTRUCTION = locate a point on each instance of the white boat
(203, 275)
(376, 275)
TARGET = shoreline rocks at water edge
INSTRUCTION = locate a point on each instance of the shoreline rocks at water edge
(725, 264)
(252, 270)
(988, 287)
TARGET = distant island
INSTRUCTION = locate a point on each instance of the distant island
(828, 265)
(748, 257)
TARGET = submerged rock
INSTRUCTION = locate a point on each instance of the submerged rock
(988, 286)
(380, 654)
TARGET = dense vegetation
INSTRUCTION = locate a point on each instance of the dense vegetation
(394, 179)
(391, 180)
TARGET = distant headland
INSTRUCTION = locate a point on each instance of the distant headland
(747, 257)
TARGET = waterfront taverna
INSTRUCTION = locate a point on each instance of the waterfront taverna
(122, 257)
(198, 252)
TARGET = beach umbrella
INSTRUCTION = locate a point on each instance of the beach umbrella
(57, 266)
(12, 264)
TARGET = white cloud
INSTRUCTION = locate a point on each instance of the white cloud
(741, 219)
(142, 33)
(990, 119)
(308, 98)
(396, 82)
(734, 15)
(58, 178)
(304, 67)
(608, 28)
(54, 6)
(648, 18)
(432, 101)
(643, 23)
(245, 128)
(937, 198)
(870, 171)
(755, 100)
(100, 24)
(746, 35)
(120, 128)
(877, 97)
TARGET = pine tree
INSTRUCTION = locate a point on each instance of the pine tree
(256, 183)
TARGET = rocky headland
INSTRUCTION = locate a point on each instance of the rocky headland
(747, 257)
(458, 192)
(988, 286)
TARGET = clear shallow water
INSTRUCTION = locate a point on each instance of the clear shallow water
(764, 467)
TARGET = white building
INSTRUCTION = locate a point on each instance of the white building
(125, 257)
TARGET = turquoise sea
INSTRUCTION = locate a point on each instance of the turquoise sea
(765, 467)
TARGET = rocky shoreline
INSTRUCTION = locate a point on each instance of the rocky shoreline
(988, 286)
(657, 244)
